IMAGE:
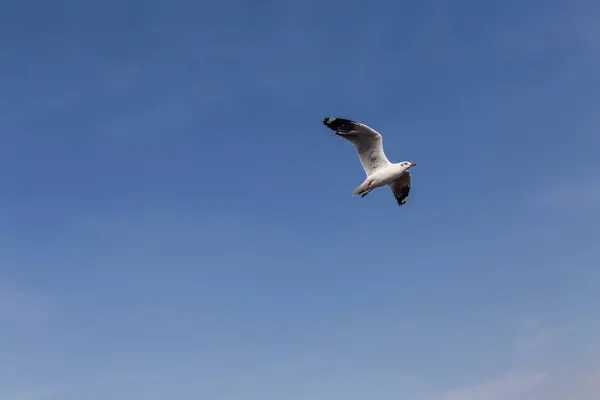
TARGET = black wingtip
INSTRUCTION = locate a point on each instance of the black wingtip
(402, 196)
(342, 125)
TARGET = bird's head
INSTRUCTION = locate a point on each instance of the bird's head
(406, 165)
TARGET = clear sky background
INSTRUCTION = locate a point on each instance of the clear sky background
(177, 223)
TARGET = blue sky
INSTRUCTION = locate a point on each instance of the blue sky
(177, 223)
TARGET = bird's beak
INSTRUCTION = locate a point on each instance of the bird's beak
(413, 164)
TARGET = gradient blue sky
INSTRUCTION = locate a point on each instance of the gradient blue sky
(176, 222)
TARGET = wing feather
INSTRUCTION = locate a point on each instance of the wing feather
(401, 188)
(368, 142)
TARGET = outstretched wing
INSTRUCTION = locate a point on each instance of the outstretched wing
(368, 142)
(401, 187)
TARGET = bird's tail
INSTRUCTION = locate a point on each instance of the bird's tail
(361, 189)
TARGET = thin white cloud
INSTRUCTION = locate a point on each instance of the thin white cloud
(531, 385)
(513, 385)
(539, 370)
(533, 344)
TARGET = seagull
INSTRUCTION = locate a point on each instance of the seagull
(379, 170)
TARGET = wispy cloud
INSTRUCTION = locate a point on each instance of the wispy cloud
(531, 385)
(515, 385)
(534, 343)
(538, 370)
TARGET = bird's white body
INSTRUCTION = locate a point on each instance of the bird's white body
(379, 170)
(387, 175)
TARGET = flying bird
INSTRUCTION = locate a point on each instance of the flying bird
(379, 170)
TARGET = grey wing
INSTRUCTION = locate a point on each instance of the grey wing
(368, 142)
(401, 187)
